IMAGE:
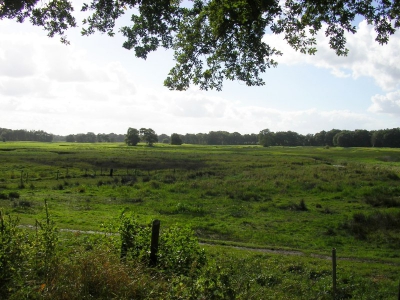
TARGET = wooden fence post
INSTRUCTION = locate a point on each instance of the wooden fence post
(155, 232)
(111, 172)
(334, 273)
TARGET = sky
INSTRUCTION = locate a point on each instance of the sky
(95, 85)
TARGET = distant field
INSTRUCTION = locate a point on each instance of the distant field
(304, 198)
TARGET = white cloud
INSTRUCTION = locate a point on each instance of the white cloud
(306, 121)
(67, 90)
(389, 103)
(17, 61)
(366, 56)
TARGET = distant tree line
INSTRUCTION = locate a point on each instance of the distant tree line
(334, 137)
(211, 138)
(91, 137)
(25, 135)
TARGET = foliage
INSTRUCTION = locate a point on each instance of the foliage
(148, 136)
(333, 137)
(88, 266)
(25, 135)
(134, 238)
(178, 251)
(278, 211)
(45, 245)
(176, 139)
(215, 40)
(132, 137)
(12, 252)
(266, 138)
(362, 225)
(26, 258)
(235, 194)
(90, 137)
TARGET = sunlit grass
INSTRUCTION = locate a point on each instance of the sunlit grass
(280, 197)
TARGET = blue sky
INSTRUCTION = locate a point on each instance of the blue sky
(96, 85)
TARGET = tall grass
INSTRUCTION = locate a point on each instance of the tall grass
(85, 266)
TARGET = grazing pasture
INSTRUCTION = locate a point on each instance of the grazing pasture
(306, 199)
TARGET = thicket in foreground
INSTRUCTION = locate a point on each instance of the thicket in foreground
(47, 264)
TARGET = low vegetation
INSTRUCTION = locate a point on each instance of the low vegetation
(303, 200)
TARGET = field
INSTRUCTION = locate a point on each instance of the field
(300, 200)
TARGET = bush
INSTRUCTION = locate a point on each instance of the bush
(178, 253)
(361, 225)
(128, 180)
(298, 207)
(13, 195)
(25, 204)
(26, 259)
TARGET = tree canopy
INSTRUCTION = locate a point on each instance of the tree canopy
(132, 137)
(214, 40)
(148, 136)
(176, 139)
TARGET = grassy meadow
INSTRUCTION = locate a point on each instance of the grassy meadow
(306, 199)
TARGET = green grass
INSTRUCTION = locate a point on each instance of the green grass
(305, 199)
(300, 198)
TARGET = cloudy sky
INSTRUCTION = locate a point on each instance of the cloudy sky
(95, 85)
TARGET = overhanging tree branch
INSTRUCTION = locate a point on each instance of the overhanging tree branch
(228, 33)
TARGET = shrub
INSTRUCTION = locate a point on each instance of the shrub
(169, 179)
(178, 253)
(299, 207)
(146, 178)
(59, 187)
(22, 204)
(361, 225)
(302, 205)
(128, 180)
(382, 201)
(154, 184)
(25, 259)
(13, 195)
(12, 253)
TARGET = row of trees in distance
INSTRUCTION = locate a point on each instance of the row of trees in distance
(91, 137)
(334, 137)
(25, 135)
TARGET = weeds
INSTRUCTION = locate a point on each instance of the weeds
(361, 225)
(13, 195)
(32, 267)
(251, 196)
